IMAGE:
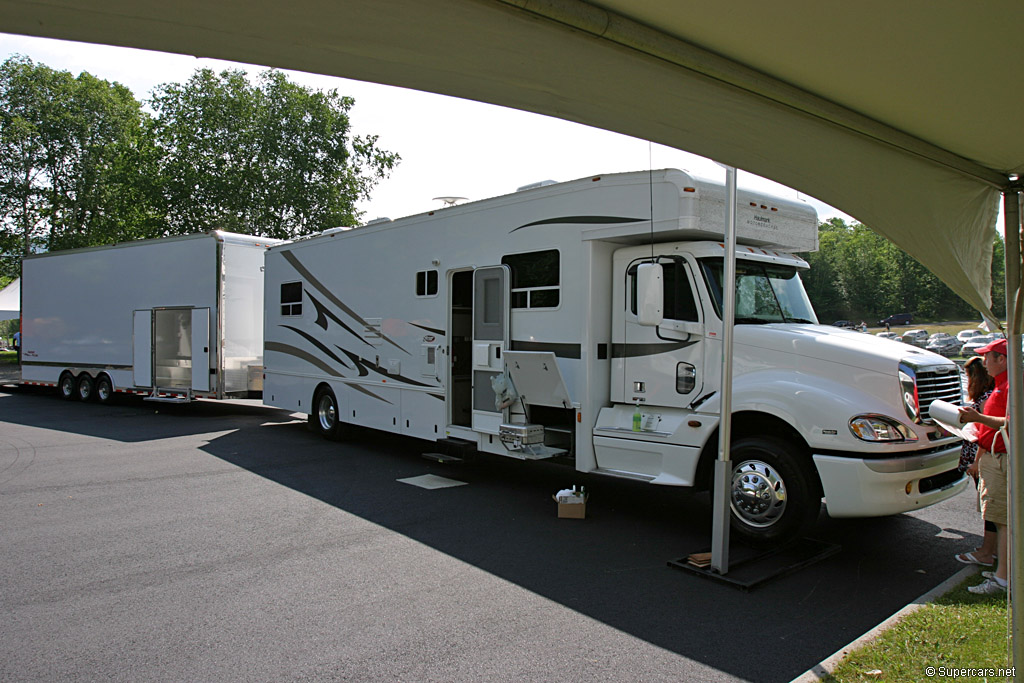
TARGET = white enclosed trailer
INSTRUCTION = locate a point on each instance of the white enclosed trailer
(520, 324)
(174, 318)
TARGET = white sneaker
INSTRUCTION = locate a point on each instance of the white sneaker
(987, 587)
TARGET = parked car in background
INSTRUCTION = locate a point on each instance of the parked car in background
(845, 324)
(916, 338)
(966, 335)
(971, 347)
(897, 319)
(945, 346)
(888, 335)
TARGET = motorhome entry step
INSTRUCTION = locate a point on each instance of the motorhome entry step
(750, 568)
(443, 458)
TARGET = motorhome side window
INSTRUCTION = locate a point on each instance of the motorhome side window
(291, 298)
(535, 278)
(426, 283)
(680, 303)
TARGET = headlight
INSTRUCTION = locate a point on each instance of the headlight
(878, 428)
(908, 388)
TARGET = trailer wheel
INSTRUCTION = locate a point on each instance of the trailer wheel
(66, 385)
(104, 390)
(325, 418)
(86, 387)
(772, 494)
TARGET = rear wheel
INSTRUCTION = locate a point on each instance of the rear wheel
(773, 493)
(104, 389)
(86, 385)
(325, 418)
(66, 385)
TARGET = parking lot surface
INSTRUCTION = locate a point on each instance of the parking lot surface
(225, 542)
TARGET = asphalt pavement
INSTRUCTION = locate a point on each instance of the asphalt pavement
(222, 541)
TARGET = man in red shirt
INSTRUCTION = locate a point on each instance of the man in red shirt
(992, 462)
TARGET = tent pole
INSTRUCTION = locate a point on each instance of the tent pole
(723, 467)
(1015, 411)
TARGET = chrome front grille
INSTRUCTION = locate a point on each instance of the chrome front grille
(937, 382)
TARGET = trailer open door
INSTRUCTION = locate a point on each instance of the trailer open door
(490, 341)
(142, 348)
(200, 349)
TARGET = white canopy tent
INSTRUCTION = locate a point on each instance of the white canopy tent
(10, 300)
(895, 113)
(904, 115)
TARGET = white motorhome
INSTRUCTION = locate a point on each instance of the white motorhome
(173, 318)
(525, 326)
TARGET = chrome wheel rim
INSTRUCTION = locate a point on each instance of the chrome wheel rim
(758, 494)
(67, 386)
(103, 391)
(327, 413)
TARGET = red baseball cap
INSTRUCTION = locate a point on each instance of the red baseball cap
(999, 346)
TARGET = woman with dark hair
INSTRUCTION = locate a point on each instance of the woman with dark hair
(979, 385)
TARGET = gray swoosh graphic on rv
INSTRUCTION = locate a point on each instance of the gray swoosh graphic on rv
(323, 314)
(312, 340)
(304, 355)
(365, 367)
(368, 392)
(582, 220)
(301, 269)
(637, 350)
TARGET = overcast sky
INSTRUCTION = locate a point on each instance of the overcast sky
(449, 146)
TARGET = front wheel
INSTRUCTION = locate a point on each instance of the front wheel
(773, 492)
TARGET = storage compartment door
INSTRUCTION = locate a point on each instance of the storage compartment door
(142, 349)
(201, 349)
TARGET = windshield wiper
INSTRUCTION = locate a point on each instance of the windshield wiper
(799, 320)
(754, 321)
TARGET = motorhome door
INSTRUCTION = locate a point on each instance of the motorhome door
(490, 341)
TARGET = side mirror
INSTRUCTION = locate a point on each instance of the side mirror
(650, 294)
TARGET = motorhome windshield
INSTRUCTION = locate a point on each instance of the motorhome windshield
(765, 293)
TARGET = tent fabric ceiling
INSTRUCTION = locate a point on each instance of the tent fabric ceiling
(896, 114)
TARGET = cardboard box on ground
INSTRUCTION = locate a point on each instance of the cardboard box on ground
(572, 503)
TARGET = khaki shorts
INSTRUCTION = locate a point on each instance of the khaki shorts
(992, 487)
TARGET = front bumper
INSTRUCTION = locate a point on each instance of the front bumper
(859, 487)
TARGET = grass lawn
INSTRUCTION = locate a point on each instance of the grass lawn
(958, 631)
(8, 358)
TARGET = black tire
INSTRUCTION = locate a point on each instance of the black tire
(104, 390)
(85, 388)
(325, 419)
(67, 386)
(774, 496)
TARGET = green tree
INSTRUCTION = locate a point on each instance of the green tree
(858, 275)
(272, 158)
(66, 147)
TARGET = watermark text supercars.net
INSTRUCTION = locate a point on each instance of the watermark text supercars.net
(968, 672)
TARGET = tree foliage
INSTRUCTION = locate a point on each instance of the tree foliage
(67, 147)
(83, 163)
(272, 158)
(858, 275)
